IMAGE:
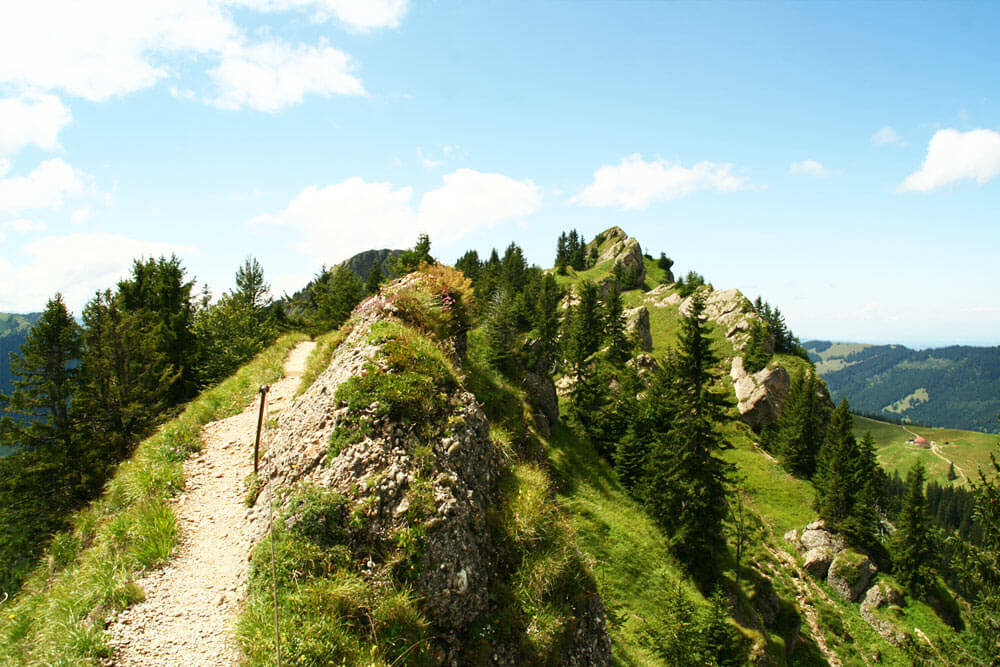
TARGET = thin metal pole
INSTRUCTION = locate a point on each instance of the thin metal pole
(260, 422)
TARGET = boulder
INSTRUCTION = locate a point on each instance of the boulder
(541, 392)
(759, 396)
(850, 573)
(817, 562)
(816, 536)
(878, 596)
(637, 327)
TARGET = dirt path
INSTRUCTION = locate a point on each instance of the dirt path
(937, 452)
(188, 614)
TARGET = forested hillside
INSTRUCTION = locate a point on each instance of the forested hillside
(14, 329)
(498, 463)
(956, 387)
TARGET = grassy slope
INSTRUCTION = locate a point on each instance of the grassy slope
(634, 567)
(968, 449)
(58, 617)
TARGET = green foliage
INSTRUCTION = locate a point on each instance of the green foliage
(374, 279)
(756, 356)
(689, 284)
(250, 286)
(798, 434)
(912, 545)
(411, 383)
(59, 615)
(332, 296)
(319, 359)
(230, 333)
(414, 258)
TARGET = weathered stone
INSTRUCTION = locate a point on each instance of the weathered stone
(878, 596)
(761, 395)
(816, 562)
(850, 573)
(816, 535)
(625, 255)
(541, 392)
(637, 327)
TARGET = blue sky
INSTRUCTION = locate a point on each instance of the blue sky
(842, 160)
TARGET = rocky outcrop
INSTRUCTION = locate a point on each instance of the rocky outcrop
(878, 596)
(624, 256)
(759, 396)
(727, 309)
(542, 395)
(850, 573)
(817, 561)
(637, 327)
(433, 480)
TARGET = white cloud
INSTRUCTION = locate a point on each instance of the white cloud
(957, 156)
(31, 119)
(23, 226)
(809, 168)
(635, 183)
(887, 136)
(47, 187)
(106, 48)
(339, 220)
(76, 264)
(272, 75)
(81, 215)
(358, 15)
(427, 162)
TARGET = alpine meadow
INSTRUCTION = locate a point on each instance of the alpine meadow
(392, 332)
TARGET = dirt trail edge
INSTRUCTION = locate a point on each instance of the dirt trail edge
(191, 603)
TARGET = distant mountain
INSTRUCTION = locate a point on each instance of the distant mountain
(956, 387)
(14, 330)
(360, 264)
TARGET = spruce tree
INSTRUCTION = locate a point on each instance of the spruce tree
(500, 330)
(630, 460)
(412, 259)
(863, 526)
(562, 254)
(583, 326)
(619, 350)
(685, 484)
(912, 545)
(470, 265)
(836, 469)
(46, 372)
(250, 285)
(375, 279)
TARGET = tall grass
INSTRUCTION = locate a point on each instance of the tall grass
(319, 358)
(58, 618)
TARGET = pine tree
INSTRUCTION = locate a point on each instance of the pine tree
(125, 378)
(412, 259)
(583, 326)
(797, 435)
(500, 330)
(375, 279)
(836, 469)
(545, 322)
(685, 486)
(470, 265)
(912, 545)
(250, 285)
(332, 297)
(630, 460)
(756, 355)
(158, 294)
(619, 350)
(46, 380)
(863, 526)
(562, 254)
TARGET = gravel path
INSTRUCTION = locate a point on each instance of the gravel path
(191, 603)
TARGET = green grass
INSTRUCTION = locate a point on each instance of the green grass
(319, 358)
(969, 450)
(58, 617)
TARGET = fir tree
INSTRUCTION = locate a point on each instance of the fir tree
(250, 285)
(583, 334)
(332, 297)
(952, 475)
(912, 545)
(500, 330)
(685, 481)
(756, 355)
(562, 254)
(412, 259)
(630, 460)
(619, 350)
(470, 265)
(375, 279)
(863, 526)
(836, 469)
(46, 372)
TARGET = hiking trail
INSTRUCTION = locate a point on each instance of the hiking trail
(191, 602)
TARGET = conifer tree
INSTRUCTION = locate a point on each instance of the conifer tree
(500, 329)
(470, 265)
(375, 279)
(952, 475)
(332, 297)
(630, 460)
(836, 469)
(125, 379)
(619, 349)
(685, 481)
(912, 545)
(46, 372)
(411, 260)
(583, 327)
(863, 525)
(797, 435)
(545, 321)
(562, 254)
(250, 285)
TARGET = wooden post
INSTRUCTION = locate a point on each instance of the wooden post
(260, 422)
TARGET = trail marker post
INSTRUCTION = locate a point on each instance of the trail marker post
(260, 422)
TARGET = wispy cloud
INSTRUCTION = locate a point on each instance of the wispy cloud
(809, 168)
(635, 183)
(887, 136)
